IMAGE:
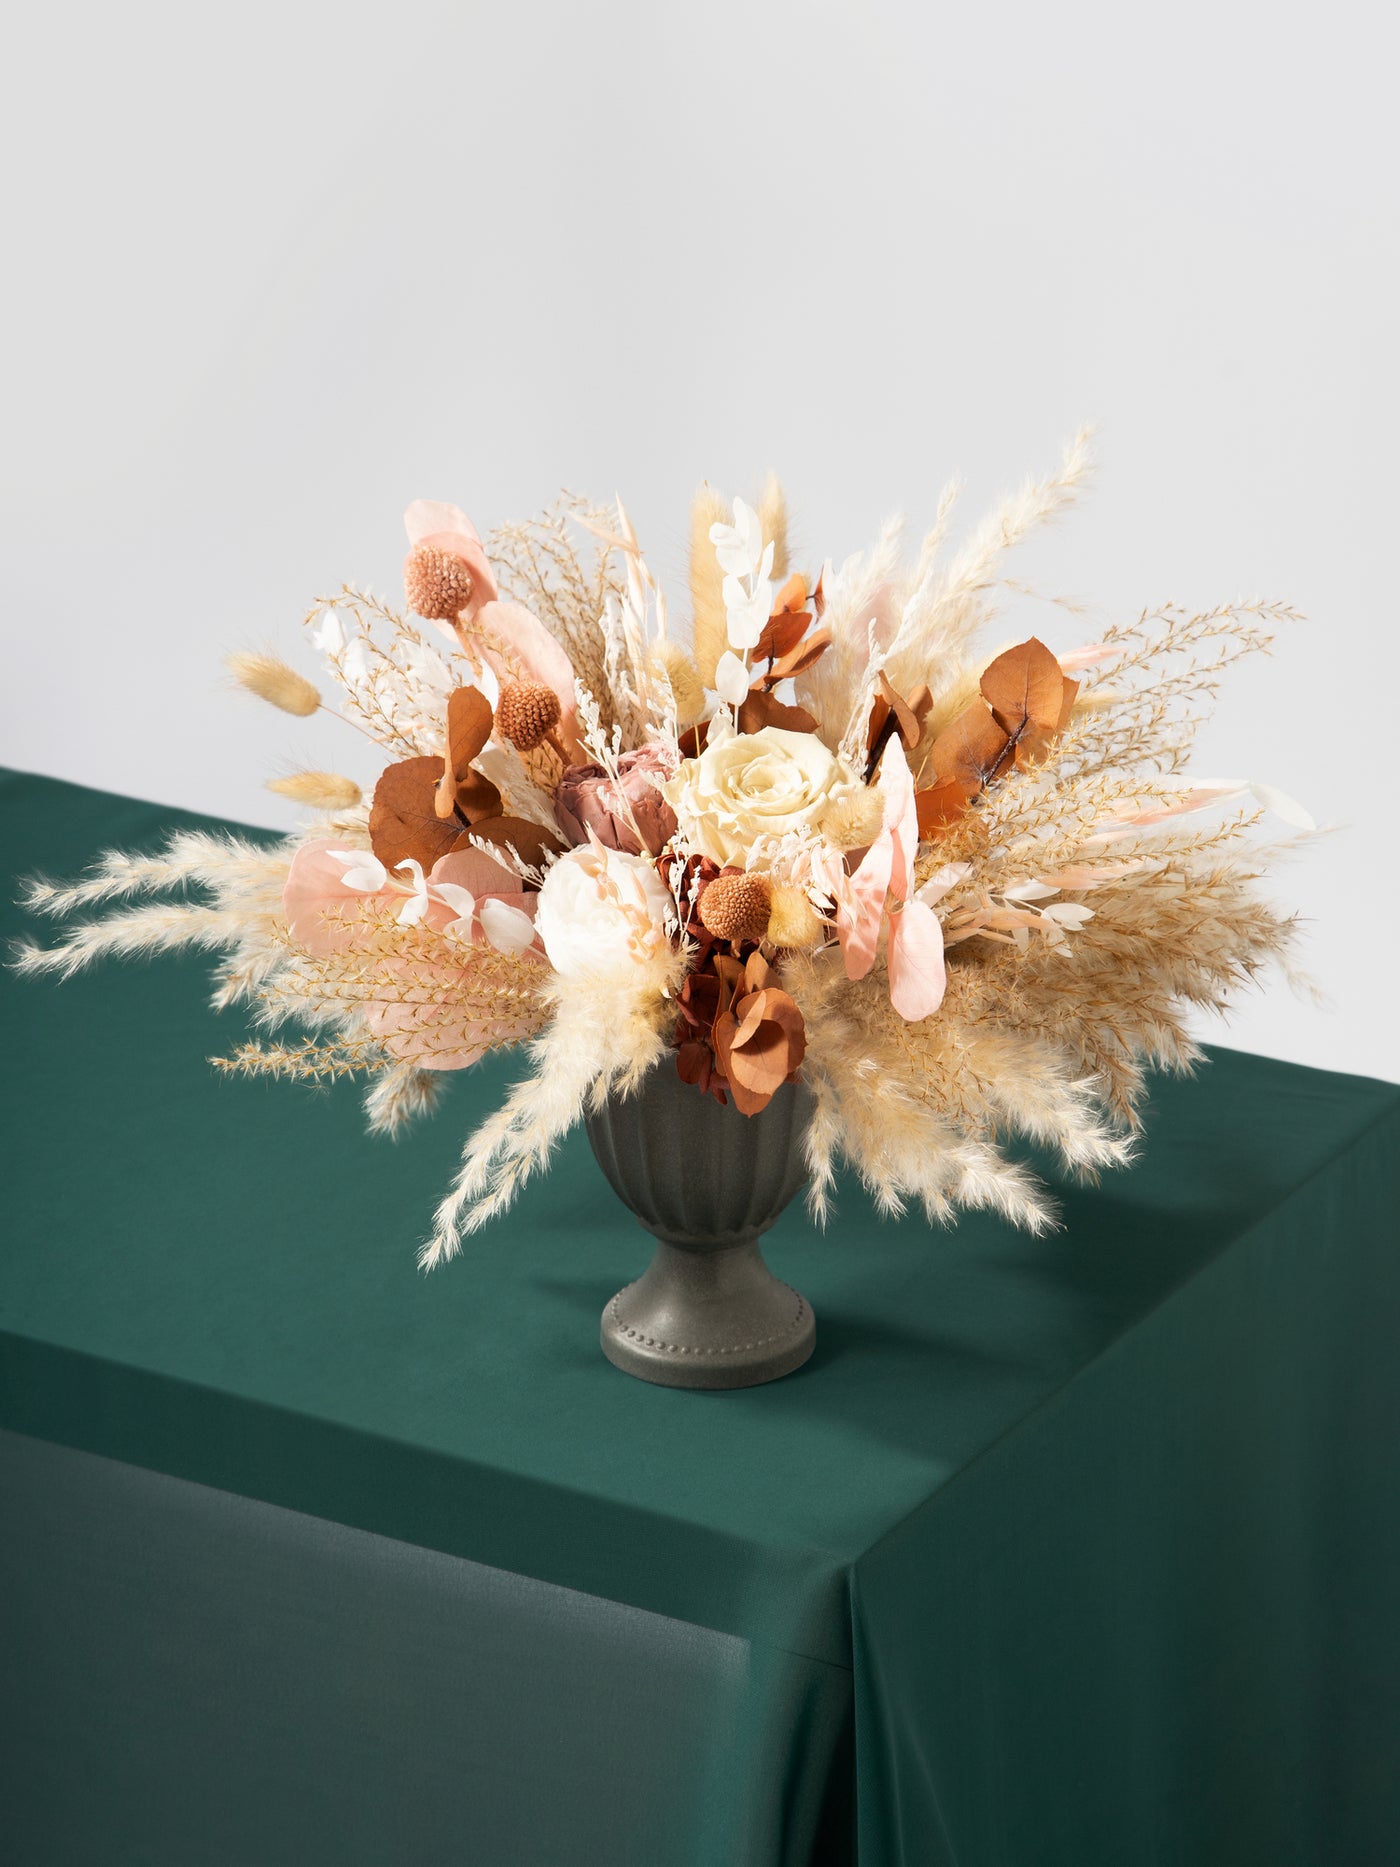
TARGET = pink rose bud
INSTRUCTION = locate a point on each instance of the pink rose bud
(627, 815)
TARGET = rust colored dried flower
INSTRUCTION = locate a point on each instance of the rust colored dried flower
(438, 584)
(527, 713)
(736, 907)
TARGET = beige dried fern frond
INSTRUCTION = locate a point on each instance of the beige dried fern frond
(541, 565)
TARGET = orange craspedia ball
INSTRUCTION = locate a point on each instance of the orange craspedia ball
(526, 713)
(736, 907)
(438, 584)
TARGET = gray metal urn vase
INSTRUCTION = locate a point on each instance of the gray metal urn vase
(707, 1181)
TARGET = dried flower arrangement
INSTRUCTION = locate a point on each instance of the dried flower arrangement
(964, 895)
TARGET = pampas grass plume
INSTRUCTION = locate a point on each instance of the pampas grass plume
(272, 680)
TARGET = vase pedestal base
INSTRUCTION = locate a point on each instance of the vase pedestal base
(710, 1315)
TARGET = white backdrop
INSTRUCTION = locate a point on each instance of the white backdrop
(276, 270)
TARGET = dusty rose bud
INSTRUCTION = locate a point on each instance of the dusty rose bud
(438, 584)
(586, 798)
(736, 907)
(527, 714)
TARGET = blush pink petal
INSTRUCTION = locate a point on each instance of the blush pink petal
(883, 609)
(325, 918)
(439, 1035)
(475, 871)
(516, 646)
(1074, 660)
(426, 517)
(859, 912)
(320, 909)
(1198, 799)
(918, 972)
(486, 879)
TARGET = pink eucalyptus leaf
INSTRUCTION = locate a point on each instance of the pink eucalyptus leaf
(883, 609)
(425, 517)
(477, 872)
(918, 975)
(441, 1035)
(1074, 660)
(861, 907)
(901, 816)
(516, 646)
(1200, 797)
(321, 911)
(1079, 876)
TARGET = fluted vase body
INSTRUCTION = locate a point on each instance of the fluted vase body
(707, 1182)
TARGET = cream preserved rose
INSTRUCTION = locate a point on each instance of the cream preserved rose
(755, 785)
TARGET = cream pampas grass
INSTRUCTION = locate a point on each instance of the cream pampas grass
(603, 1038)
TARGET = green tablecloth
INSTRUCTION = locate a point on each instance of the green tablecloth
(1081, 1550)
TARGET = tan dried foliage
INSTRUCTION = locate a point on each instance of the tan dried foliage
(540, 564)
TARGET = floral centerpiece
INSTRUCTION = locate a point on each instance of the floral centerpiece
(826, 831)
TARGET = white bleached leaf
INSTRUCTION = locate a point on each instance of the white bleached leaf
(739, 547)
(732, 679)
(1029, 890)
(354, 664)
(1282, 805)
(328, 632)
(510, 930)
(748, 616)
(461, 900)
(430, 668)
(941, 881)
(416, 906)
(1067, 913)
(364, 873)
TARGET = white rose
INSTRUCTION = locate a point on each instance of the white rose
(600, 912)
(754, 785)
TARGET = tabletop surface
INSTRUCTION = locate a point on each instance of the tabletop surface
(217, 1278)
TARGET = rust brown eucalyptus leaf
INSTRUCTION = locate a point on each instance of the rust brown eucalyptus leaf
(403, 820)
(1025, 689)
(800, 656)
(531, 842)
(973, 750)
(460, 789)
(760, 709)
